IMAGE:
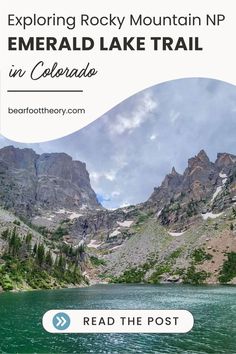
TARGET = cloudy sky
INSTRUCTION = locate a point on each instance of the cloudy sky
(130, 149)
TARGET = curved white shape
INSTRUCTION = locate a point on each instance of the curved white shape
(120, 73)
(175, 234)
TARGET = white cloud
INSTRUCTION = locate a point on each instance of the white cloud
(109, 175)
(94, 176)
(131, 120)
(115, 194)
(153, 137)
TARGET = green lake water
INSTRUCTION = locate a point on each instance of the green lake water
(213, 308)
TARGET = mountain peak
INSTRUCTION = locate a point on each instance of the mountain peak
(49, 181)
(173, 171)
(224, 160)
(173, 177)
(200, 158)
(197, 182)
(203, 156)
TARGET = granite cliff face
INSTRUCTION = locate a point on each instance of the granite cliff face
(197, 182)
(30, 182)
(204, 187)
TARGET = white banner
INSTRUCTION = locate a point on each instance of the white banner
(118, 321)
(63, 66)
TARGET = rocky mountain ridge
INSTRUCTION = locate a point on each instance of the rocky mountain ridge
(30, 182)
(180, 201)
(203, 187)
(171, 236)
(190, 216)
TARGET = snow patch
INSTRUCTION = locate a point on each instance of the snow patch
(224, 178)
(94, 244)
(126, 223)
(175, 234)
(218, 190)
(210, 215)
(84, 206)
(74, 216)
(115, 247)
(222, 175)
(61, 211)
(115, 233)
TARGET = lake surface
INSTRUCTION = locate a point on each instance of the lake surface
(213, 308)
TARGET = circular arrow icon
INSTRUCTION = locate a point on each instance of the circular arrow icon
(61, 321)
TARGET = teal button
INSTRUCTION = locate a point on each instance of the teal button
(61, 321)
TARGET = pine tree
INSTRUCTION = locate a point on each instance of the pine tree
(62, 263)
(40, 254)
(71, 251)
(234, 212)
(35, 249)
(28, 241)
(56, 262)
(14, 243)
(48, 259)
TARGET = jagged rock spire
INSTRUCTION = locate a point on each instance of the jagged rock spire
(173, 171)
(203, 156)
(225, 160)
